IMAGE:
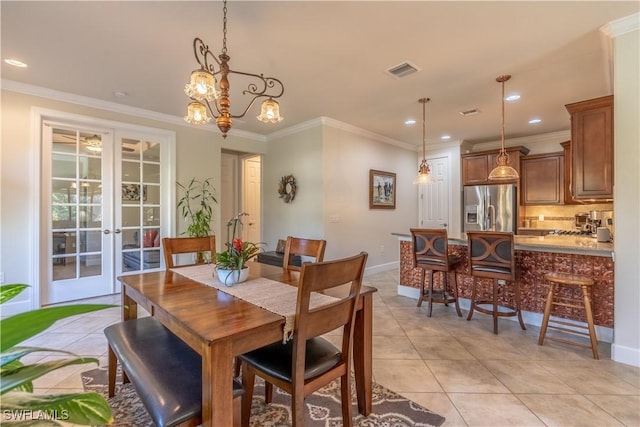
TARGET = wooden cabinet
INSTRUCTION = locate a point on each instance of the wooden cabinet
(542, 179)
(592, 149)
(477, 166)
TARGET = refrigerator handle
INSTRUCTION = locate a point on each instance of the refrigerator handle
(492, 217)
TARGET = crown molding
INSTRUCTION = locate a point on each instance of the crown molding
(336, 124)
(621, 26)
(560, 136)
(114, 107)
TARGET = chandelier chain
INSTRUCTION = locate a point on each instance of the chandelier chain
(224, 28)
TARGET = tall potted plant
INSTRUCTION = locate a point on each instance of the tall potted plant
(196, 206)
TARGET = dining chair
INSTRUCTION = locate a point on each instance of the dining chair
(302, 247)
(431, 253)
(184, 245)
(308, 362)
(492, 256)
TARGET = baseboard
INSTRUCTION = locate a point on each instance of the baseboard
(604, 334)
(381, 268)
(626, 355)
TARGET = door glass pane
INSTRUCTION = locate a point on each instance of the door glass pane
(90, 192)
(64, 141)
(90, 216)
(64, 267)
(90, 241)
(63, 166)
(152, 216)
(131, 194)
(130, 150)
(131, 260)
(151, 173)
(63, 217)
(130, 216)
(130, 171)
(130, 238)
(91, 168)
(151, 259)
(152, 152)
(90, 144)
(153, 195)
(61, 190)
(90, 265)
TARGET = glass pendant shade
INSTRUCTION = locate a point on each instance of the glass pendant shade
(197, 114)
(424, 174)
(270, 112)
(202, 86)
(503, 171)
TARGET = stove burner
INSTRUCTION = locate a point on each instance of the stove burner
(571, 232)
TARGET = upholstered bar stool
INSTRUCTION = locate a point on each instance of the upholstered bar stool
(431, 253)
(556, 280)
(492, 256)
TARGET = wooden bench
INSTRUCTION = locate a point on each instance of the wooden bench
(166, 372)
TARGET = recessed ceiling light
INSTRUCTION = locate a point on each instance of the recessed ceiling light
(513, 97)
(445, 137)
(410, 122)
(15, 63)
(120, 94)
(534, 121)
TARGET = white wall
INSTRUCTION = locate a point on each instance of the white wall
(626, 346)
(298, 154)
(350, 226)
(197, 155)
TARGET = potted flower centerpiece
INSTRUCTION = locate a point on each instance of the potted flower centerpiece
(231, 265)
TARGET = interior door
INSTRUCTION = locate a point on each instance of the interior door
(107, 203)
(251, 198)
(434, 197)
(76, 192)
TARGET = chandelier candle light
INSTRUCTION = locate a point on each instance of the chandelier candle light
(424, 173)
(209, 101)
(503, 172)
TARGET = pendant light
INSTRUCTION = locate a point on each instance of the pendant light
(503, 172)
(424, 173)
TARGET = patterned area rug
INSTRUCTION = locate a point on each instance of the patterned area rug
(389, 408)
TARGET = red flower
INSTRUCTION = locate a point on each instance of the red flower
(237, 244)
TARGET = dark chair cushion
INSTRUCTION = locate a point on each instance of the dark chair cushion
(275, 359)
(166, 372)
(277, 259)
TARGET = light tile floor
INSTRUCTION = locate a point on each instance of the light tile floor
(455, 367)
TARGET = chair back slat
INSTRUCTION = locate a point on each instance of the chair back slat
(491, 254)
(321, 277)
(430, 248)
(303, 247)
(185, 245)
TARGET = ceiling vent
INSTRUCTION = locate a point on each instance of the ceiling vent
(402, 70)
(471, 112)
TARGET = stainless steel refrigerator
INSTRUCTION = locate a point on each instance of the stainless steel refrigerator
(490, 208)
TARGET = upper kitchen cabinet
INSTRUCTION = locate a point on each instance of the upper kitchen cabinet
(542, 179)
(592, 149)
(477, 166)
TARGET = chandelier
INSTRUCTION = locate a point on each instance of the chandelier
(424, 173)
(209, 88)
(503, 171)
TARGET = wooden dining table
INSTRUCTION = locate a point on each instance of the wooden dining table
(219, 327)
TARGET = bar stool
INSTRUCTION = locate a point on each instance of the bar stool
(492, 256)
(553, 299)
(430, 253)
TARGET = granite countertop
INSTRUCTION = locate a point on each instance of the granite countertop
(583, 245)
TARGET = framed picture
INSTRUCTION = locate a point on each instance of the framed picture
(382, 190)
(131, 192)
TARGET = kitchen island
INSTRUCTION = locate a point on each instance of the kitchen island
(535, 255)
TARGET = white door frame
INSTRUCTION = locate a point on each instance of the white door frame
(38, 240)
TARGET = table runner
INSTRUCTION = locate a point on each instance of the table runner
(276, 297)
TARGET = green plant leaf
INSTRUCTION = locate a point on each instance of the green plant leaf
(75, 408)
(15, 353)
(8, 292)
(12, 378)
(20, 327)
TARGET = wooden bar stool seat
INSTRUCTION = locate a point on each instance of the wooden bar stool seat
(556, 280)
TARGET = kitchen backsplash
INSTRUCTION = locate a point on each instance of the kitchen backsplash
(557, 217)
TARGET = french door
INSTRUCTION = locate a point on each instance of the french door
(102, 195)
